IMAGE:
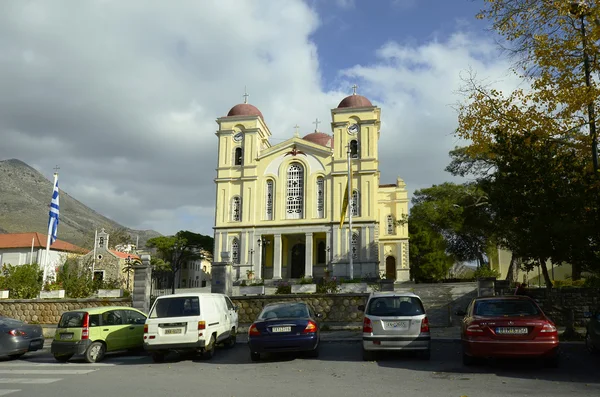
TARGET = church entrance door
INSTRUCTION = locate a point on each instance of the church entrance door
(297, 265)
(390, 268)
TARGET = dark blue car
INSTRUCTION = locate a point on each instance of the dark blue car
(285, 327)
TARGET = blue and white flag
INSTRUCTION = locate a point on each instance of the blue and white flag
(53, 220)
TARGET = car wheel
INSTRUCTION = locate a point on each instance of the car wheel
(589, 345)
(314, 353)
(468, 360)
(16, 356)
(209, 351)
(254, 356)
(62, 358)
(368, 355)
(230, 342)
(158, 357)
(95, 352)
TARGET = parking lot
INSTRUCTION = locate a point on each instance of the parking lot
(339, 371)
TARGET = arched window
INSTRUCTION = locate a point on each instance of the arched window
(355, 245)
(235, 251)
(238, 157)
(295, 191)
(236, 209)
(320, 197)
(321, 253)
(269, 200)
(391, 225)
(355, 203)
(354, 149)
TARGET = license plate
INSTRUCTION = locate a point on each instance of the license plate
(170, 331)
(396, 324)
(35, 343)
(282, 329)
(512, 330)
(66, 336)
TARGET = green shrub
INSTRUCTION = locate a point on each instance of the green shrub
(328, 286)
(592, 282)
(76, 280)
(283, 289)
(485, 272)
(24, 281)
(306, 280)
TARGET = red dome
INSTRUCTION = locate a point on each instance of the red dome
(355, 101)
(320, 138)
(244, 109)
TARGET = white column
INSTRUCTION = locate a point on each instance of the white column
(277, 258)
(328, 243)
(308, 259)
(244, 260)
(334, 242)
(217, 247)
(225, 244)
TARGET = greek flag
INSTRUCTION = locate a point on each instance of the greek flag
(53, 220)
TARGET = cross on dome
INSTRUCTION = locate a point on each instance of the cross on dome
(245, 95)
(354, 87)
(296, 132)
(316, 123)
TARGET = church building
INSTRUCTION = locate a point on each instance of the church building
(279, 206)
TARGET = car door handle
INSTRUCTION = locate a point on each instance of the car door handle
(131, 327)
(106, 329)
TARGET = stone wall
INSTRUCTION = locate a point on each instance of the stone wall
(48, 311)
(559, 303)
(440, 301)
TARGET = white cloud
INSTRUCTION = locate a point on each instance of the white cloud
(123, 96)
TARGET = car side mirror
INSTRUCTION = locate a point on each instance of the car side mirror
(361, 308)
(235, 308)
(587, 314)
(460, 312)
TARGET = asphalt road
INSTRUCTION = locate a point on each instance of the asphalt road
(339, 371)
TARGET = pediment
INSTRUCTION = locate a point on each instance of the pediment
(295, 147)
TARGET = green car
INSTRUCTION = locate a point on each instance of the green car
(96, 331)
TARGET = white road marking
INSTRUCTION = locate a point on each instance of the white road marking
(56, 365)
(33, 381)
(4, 392)
(47, 371)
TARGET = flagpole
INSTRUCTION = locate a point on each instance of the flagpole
(350, 214)
(94, 261)
(50, 229)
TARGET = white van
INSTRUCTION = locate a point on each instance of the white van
(190, 322)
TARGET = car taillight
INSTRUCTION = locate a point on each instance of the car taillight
(367, 326)
(311, 328)
(548, 327)
(201, 325)
(425, 324)
(474, 329)
(16, 332)
(85, 332)
(253, 330)
(145, 328)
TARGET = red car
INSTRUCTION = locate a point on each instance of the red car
(507, 327)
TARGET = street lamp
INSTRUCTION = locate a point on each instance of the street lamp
(263, 243)
(580, 9)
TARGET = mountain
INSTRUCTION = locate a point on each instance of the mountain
(24, 203)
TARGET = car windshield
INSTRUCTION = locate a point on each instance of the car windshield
(180, 306)
(297, 310)
(71, 320)
(504, 308)
(395, 306)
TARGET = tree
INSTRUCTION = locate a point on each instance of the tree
(459, 213)
(178, 249)
(429, 259)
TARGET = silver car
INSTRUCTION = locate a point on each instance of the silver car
(18, 338)
(395, 321)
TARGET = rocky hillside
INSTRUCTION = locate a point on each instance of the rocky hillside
(24, 201)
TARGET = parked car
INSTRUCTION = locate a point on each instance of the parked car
(285, 327)
(507, 326)
(592, 334)
(93, 332)
(190, 322)
(18, 338)
(395, 321)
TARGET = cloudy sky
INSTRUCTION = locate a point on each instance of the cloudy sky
(123, 95)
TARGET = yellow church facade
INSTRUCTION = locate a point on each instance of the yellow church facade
(279, 207)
